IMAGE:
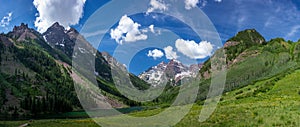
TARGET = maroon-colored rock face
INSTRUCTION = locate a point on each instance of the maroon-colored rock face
(22, 32)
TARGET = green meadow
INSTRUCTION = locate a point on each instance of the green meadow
(270, 102)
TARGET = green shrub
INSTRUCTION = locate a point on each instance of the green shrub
(260, 121)
(239, 92)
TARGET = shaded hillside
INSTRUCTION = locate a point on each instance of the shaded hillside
(36, 73)
(32, 82)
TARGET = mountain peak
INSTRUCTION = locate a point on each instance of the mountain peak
(174, 61)
(56, 36)
(57, 27)
(162, 63)
(56, 24)
(22, 27)
(106, 55)
(249, 37)
(22, 32)
(72, 30)
(174, 70)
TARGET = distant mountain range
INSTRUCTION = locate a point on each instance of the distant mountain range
(173, 71)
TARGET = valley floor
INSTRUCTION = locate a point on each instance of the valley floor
(270, 102)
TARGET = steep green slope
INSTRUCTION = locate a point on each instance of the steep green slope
(242, 41)
(38, 84)
(270, 102)
(255, 62)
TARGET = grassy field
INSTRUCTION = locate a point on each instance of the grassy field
(270, 102)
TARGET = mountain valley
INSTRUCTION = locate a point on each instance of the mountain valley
(37, 78)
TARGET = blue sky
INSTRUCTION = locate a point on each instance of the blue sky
(272, 18)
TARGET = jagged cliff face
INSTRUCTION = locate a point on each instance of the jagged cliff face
(173, 71)
(22, 32)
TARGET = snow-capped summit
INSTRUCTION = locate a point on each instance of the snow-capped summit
(173, 71)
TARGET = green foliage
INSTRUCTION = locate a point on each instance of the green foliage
(48, 104)
(169, 94)
(1, 51)
(263, 89)
(102, 66)
(138, 83)
(255, 62)
(206, 67)
(59, 55)
(247, 40)
(249, 37)
(3, 86)
(49, 90)
(277, 45)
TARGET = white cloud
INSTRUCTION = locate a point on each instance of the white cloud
(293, 31)
(189, 4)
(156, 5)
(151, 27)
(193, 50)
(144, 30)
(66, 12)
(170, 54)
(6, 20)
(127, 31)
(155, 53)
(94, 33)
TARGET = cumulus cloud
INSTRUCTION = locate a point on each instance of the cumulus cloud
(189, 4)
(193, 50)
(6, 20)
(127, 31)
(155, 53)
(66, 12)
(157, 5)
(170, 54)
